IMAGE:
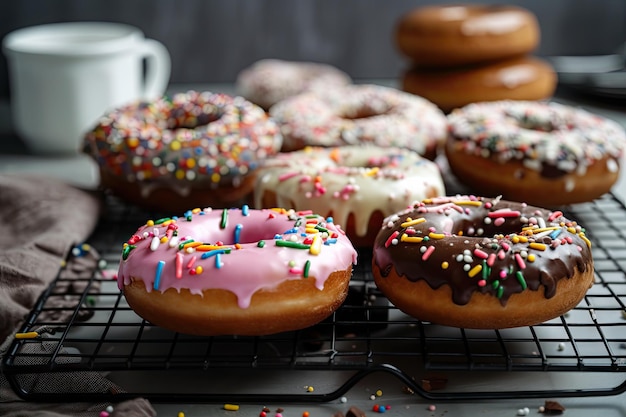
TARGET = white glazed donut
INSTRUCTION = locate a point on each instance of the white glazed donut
(357, 185)
(269, 81)
(543, 153)
(357, 114)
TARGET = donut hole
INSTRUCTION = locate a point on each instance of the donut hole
(365, 162)
(182, 118)
(540, 126)
(250, 233)
(365, 110)
(530, 121)
(487, 227)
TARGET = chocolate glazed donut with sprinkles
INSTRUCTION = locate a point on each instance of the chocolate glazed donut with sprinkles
(236, 271)
(193, 149)
(475, 262)
(543, 153)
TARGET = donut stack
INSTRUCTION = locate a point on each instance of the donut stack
(463, 54)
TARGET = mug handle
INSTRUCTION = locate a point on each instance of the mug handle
(158, 68)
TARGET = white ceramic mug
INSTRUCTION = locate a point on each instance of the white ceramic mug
(64, 76)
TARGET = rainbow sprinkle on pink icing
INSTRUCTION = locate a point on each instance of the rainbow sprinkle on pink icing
(239, 250)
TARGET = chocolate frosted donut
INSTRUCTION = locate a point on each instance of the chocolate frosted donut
(482, 263)
(542, 153)
(193, 149)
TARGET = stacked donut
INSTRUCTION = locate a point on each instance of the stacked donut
(465, 54)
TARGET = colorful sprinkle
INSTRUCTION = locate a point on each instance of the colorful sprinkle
(126, 250)
(215, 252)
(237, 236)
(427, 253)
(391, 238)
(26, 335)
(224, 220)
(410, 239)
(504, 213)
(521, 280)
(316, 245)
(157, 275)
(412, 222)
(288, 244)
(475, 270)
(537, 246)
(179, 265)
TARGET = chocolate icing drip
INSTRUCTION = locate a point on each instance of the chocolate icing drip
(482, 245)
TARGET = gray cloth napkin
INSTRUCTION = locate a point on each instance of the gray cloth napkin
(41, 220)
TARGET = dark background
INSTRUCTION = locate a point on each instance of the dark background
(212, 40)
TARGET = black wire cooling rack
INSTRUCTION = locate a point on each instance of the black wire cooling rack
(366, 335)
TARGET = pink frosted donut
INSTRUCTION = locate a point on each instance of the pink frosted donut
(236, 271)
(357, 114)
(269, 81)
